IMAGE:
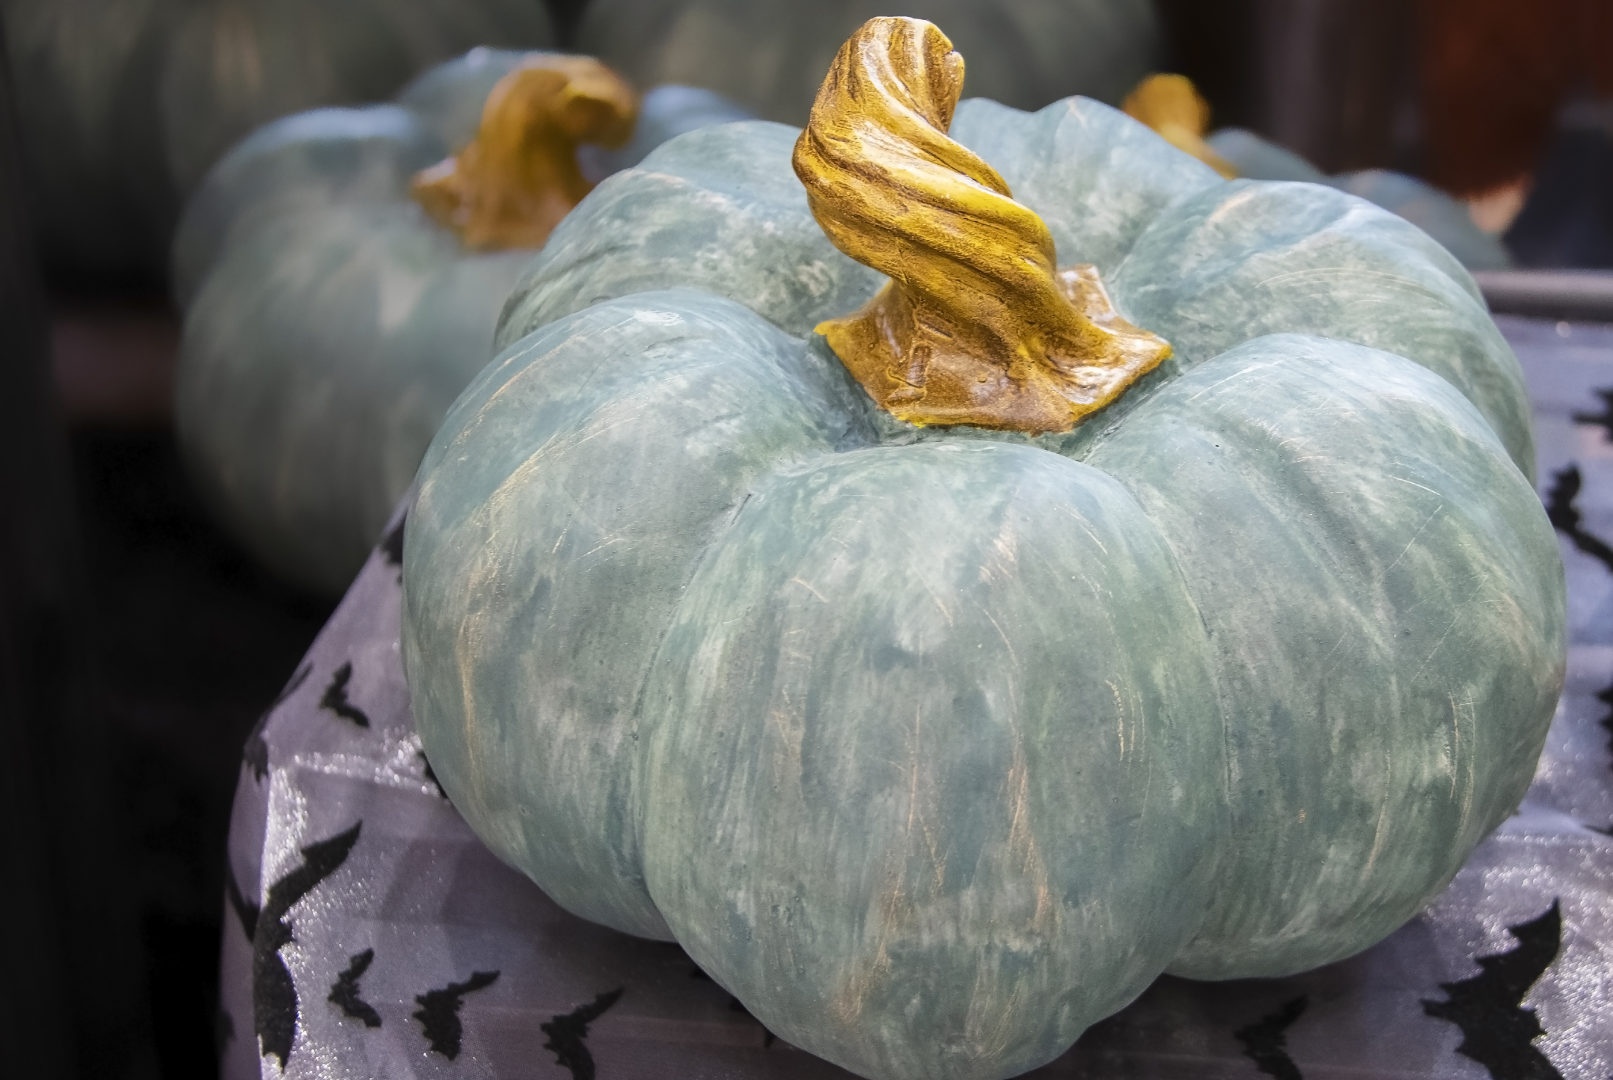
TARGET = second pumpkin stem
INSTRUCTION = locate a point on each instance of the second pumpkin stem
(1178, 113)
(511, 186)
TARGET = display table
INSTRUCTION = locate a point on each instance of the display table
(370, 934)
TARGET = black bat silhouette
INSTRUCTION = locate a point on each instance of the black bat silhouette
(1603, 419)
(391, 544)
(1564, 516)
(256, 751)
(439, 1012)
(274, 994)
(335, 697)
(245, 910)
(1266, 1041)
(735, 1005)
(1605, 696)
(344, 991)
(1497, 1031)
(568, 1032)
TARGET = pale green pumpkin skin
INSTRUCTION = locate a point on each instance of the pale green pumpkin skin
(1430, 209)
(1247, 258)
(935, 746)
(1386, 624)
(330, 323)
(936, 714)
(123, 105)
(1441, 216)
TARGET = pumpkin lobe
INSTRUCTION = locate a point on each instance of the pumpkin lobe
(975, 326)
(1173, 107)
(511, 186)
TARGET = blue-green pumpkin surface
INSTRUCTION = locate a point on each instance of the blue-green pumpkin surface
(330, 323)
(1433, 211)
(935, 745)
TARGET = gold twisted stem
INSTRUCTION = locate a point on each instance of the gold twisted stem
(511, 186)
(974, 327)
(1174, 108)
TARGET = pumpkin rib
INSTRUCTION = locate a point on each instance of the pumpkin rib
(1207, 275)
(1437, 213)
(558, 382)
(875, 653)
(1253, 461)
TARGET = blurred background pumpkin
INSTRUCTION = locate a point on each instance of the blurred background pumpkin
(769, 56)
(342, 281)
(123, 105)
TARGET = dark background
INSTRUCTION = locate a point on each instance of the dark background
(138, 646)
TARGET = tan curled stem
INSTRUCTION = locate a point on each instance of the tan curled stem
(511, 186)
(976, 326)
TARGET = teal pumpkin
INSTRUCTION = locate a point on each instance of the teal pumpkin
(770, 55)
(123, 105)
(936, 745)
(330, 323)
(1427, 207)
